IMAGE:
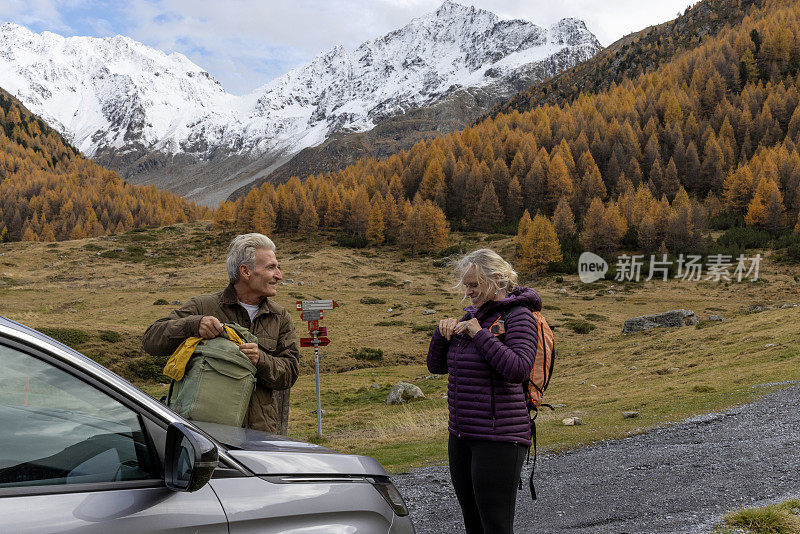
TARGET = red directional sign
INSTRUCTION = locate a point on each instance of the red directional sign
(313, 325)
(309, 341)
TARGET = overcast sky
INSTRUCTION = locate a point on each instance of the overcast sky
(246, 43)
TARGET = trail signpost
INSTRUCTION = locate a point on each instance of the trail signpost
(311, 311)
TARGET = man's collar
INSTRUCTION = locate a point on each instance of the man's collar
(229, 297)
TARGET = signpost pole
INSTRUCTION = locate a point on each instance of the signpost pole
(311, 311)
(316, 372)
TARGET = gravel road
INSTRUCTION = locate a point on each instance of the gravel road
(677, 478)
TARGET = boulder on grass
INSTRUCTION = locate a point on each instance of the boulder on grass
(403, 392)
(673, 318)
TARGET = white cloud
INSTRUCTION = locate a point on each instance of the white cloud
(245, 43)
(34, 12)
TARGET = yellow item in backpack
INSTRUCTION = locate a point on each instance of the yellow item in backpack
(176, 365)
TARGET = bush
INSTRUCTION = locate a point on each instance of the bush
(110, 336)
(366, 353)
(385, 282)
(132, 253)
(427, 328)
(148, 368)
(451, 250)
(351, 241)
(580, 327)
(160, 302)
(571, 250)
(594, 317)
(725, 221)
(70, 337)
(793, 252)
(372, 300)
(745, 237)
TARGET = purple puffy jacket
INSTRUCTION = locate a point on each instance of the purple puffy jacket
(484, 391)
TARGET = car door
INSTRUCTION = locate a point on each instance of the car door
(74, 457)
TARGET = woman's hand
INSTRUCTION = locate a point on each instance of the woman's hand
(447, 327)
(471, 327)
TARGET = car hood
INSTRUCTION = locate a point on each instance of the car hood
(271, 454)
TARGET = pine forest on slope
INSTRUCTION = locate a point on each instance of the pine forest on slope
(710, 135)
(49, 191)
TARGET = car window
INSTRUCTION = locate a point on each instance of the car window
(57, 429)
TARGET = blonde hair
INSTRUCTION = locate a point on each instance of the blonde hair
(489, 267)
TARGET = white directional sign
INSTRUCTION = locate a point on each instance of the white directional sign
(312, 305)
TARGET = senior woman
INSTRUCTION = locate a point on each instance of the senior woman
(487, 354)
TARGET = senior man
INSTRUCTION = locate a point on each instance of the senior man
(254, 274)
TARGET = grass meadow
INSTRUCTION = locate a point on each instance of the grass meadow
(100, 294)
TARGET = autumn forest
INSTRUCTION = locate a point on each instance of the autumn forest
(707, 138)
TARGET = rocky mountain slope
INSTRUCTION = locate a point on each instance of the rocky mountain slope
(161, 119)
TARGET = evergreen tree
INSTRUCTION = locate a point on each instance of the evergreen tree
(563, 220)
(559, 183)
(514, 201)
(432, 180)
(309, 221)
(603, 228)
(376, 228)
(738, 190)
(766, 209)
(539, 246)
(488, 213)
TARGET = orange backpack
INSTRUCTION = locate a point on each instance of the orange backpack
(535, 385)
(542, 365)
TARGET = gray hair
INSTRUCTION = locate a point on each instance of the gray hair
(242, 251)
(489, 267)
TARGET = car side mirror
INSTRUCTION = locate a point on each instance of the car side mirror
(190, 459)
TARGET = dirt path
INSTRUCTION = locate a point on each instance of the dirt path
(678, 478)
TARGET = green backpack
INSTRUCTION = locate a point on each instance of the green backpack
(218, 381)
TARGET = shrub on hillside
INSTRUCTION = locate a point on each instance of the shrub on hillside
(148, 368)
(351, 241)
(580, 327)
(744, 237)
(366, 353)
(372, 300)
(71, 337)
(110, 336)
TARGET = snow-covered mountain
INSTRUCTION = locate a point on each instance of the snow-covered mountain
(162, 119)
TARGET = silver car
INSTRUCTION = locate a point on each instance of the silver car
(82, 450)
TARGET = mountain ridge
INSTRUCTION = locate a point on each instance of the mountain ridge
(160, 118)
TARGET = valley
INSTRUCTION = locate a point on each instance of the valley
(100, 294)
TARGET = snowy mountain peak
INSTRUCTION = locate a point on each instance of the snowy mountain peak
(121, 101)
(450, 9)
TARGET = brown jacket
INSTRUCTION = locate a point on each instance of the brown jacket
(279, 360)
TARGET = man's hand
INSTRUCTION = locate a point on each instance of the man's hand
(210, 327)
(250, 350)
(471, 327)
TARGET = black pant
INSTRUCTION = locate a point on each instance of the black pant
(485, 476)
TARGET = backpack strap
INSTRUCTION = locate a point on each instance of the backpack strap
(533, 446)
(165, 400)
(503, 317)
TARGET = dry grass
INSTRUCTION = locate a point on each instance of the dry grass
(666, 375)
(783, 518)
